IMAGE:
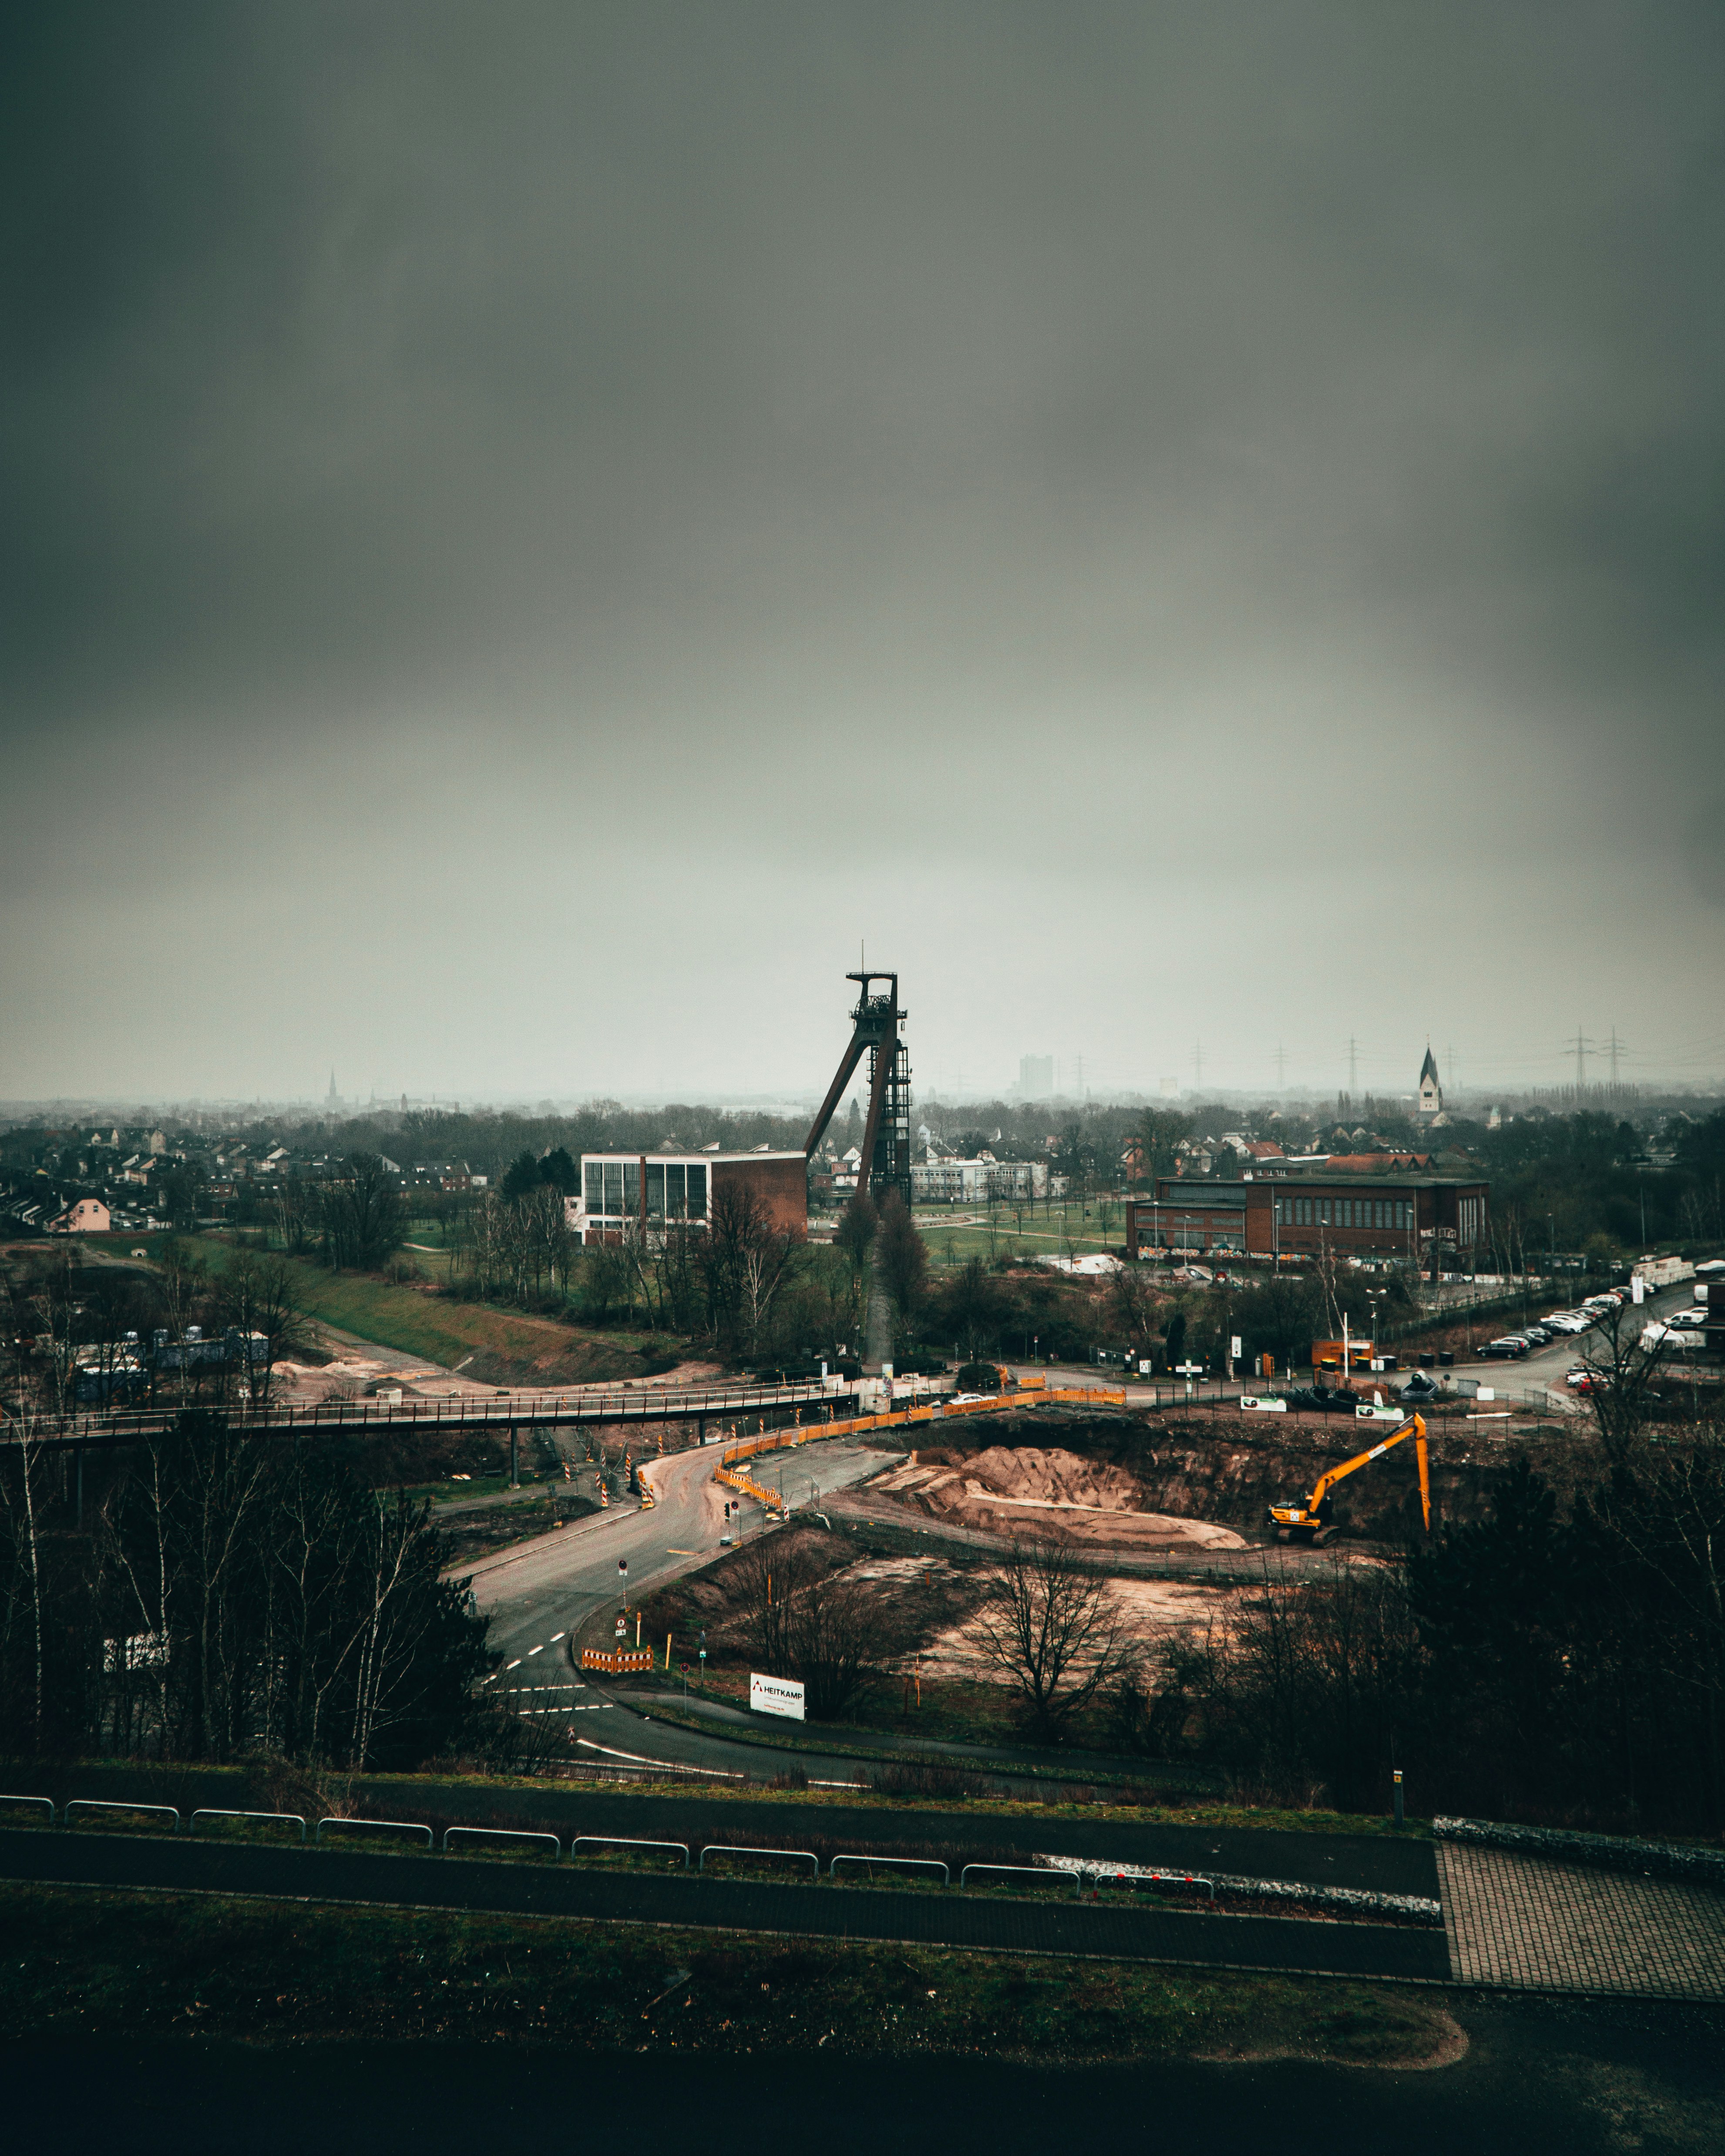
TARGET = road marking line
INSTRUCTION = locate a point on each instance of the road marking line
(676, 1767)
(514, 1664)
(532, 1651)
(555, 1636)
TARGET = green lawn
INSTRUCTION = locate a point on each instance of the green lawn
(955, 1233)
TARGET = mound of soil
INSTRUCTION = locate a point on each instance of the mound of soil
(1229, 1468)
(1027, 1490)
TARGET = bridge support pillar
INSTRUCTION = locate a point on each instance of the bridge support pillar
(80, 1485)
(515, 1463)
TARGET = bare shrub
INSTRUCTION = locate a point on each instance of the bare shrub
(925, 1777)
(1050, 1625)
(801, 1620)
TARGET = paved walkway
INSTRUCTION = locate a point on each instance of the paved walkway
(1528, 1924)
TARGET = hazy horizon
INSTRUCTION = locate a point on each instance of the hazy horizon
(531, 535)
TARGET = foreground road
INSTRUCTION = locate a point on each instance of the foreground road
(1122, 1930)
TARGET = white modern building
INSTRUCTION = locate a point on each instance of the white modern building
(972, 1182)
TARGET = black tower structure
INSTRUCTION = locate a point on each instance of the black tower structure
(886, 1136)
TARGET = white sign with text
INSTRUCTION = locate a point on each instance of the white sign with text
(776, 1696)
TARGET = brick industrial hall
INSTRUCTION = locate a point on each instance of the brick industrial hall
(1409, 1214)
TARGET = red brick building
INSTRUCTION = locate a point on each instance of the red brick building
(1407, 1215)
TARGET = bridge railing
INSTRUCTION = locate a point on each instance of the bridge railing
(634, 1405)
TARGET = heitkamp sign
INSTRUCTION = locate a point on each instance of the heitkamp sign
(776, 1696)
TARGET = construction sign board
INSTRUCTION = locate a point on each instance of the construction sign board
(776, 1696)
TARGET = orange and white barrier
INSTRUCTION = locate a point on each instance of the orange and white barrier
(783, 1441)
(617, 1661)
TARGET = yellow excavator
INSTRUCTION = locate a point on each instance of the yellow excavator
(1309, 1522)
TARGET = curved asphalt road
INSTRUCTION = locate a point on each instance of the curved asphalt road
(538, 1596)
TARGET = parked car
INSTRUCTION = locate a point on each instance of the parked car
(1509, 1349)
(1582, 1379)
(1565, 1321)
(1538, 1336)
(1689, 1320)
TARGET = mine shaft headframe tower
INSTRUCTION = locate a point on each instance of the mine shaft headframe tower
(886, 1136)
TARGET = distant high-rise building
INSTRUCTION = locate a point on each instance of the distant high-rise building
(1035, 1077)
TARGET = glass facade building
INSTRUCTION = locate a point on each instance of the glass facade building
(675, 1190)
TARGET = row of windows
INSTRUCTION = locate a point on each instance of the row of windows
(1344, 1212)
(674, 1191)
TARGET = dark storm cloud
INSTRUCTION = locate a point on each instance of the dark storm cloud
(467, 414)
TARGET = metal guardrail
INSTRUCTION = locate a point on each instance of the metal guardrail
(624, 1841)
(506, 1834)
(1046, 1873)
(726, 1849)
(117, 1804)
(280, 1819)
(49, 1801)
(898, 1863)
(383, 1826)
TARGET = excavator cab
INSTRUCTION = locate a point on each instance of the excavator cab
(1313, 1521)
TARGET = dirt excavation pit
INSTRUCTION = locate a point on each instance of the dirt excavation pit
(1152, 1612)
(1027, 1492)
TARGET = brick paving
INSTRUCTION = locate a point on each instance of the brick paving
(1527, 1923)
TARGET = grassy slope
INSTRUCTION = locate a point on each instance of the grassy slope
(414, 1794)
(501, 1342)
(206, 1965)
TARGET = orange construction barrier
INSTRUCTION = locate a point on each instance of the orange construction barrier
(618, 1661)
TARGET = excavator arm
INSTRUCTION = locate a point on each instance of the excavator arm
(1314, 1513)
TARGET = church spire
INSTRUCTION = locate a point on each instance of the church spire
(1430, 1100)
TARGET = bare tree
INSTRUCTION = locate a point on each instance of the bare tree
(1050, 1625)
(290, 1209)
(23, 1599)
(745, 1262)
(801, 1620)
(362, 1218)
(257, 1299)
(1621, 1378)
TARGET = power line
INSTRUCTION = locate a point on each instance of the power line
(1582, 1045)
(1281, 1067)
(1352, 1065)
(1197, 1064)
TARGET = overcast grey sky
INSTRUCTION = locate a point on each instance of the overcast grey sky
(529, 531)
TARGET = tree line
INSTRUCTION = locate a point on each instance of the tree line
(1558, 1666)
(228, 1594)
